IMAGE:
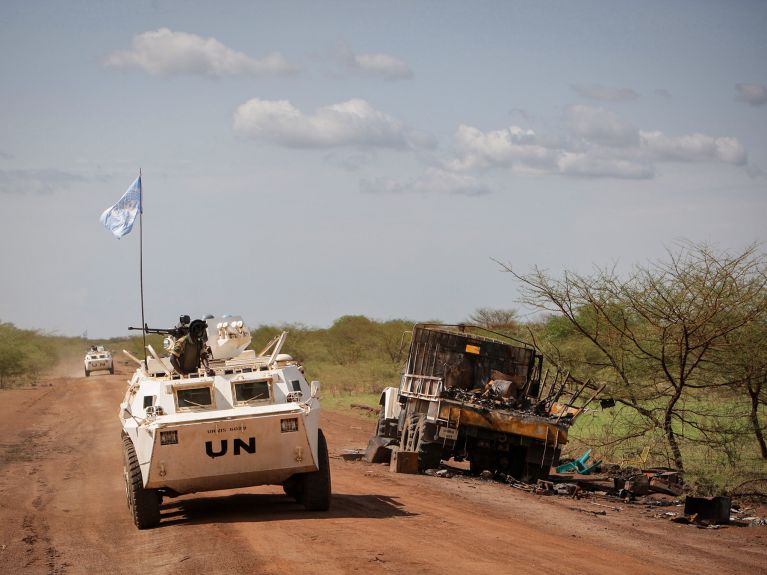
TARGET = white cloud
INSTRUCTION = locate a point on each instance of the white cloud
(600, 145)
(600, 126)
(374, 64)
(513, 146)
(433, 181)
(350, 123)
(693, 148)
(164, 52)
(600, 163)
(754, 94)
(604, 94)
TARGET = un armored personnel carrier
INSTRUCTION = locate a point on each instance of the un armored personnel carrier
(477, 396)
(98, 358)
(225, 417)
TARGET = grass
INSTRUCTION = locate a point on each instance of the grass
(709, 468)
(343, 403)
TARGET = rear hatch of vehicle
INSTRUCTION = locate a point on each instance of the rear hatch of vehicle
(205, 454)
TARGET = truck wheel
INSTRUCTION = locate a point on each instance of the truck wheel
(381, 425)
(87, 373)
(112, 370)
(429, 453)
(144, 504)
(316, 485)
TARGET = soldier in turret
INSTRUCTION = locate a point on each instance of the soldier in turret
(191, 350)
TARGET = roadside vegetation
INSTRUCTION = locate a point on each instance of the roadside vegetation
(681, 344)
(25, 354)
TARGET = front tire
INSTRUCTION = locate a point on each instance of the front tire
(144, 504)
(316, 485)
(429, 453)
(87, 373)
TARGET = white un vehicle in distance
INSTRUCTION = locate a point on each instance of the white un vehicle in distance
(98, 358)
(238, 419)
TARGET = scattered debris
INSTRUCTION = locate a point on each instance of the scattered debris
(649, 487)
(589, 511)
(711, 509)
(352, 454)
(404, 461)
(580, 465)
(566, 489)
(544, 487)
(379, 449)
(662, 503)
(637, 485)
(439, 473)
(636, 459)
(667, 482)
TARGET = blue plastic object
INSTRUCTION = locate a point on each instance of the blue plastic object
(579, 465)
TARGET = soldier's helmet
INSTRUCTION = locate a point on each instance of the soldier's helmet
(198, 331)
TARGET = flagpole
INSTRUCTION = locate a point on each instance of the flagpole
(141, 260)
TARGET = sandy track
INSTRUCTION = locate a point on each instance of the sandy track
(63, 511)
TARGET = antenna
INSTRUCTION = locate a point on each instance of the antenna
(141, 261)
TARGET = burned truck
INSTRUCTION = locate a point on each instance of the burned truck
(475, 397)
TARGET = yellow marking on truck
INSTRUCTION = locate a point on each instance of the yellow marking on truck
(526, 426)
(472, 349)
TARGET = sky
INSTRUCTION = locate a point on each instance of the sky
(302, 161)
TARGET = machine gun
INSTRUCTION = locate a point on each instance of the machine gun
(182, 328)
(195, 333)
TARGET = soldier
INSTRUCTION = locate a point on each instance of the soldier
(191, 350)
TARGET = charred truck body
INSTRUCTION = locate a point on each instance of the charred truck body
(474, 398)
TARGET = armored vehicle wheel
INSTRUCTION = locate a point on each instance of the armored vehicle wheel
(476, 467)
(294, 487)
(87, 373)
(143, 503)
(112, 370)
(316, 485)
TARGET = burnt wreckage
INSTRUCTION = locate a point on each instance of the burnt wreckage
(478, 399)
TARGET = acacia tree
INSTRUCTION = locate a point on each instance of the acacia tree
(656, 331)
(496, 319)
(744, 365)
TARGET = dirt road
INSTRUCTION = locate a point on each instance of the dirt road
(63, 510)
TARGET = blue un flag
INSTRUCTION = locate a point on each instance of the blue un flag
(119, 218)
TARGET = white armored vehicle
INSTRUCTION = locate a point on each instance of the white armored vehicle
(98, 358)
(225, 418)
